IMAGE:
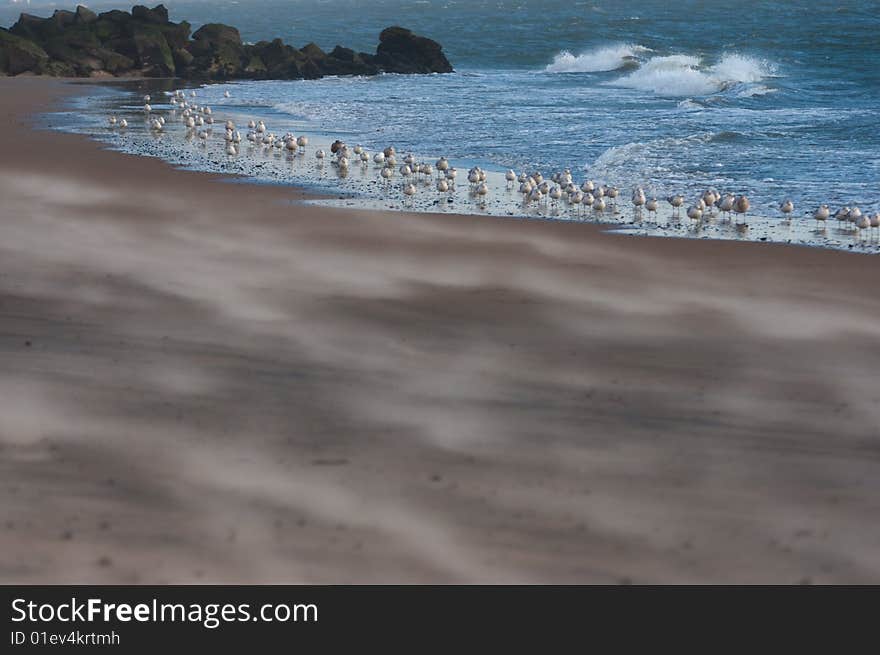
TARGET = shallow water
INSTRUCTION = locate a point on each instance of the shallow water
(362, 186)
(772, 99)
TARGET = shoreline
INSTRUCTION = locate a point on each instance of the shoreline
(217, 383)
(362, 187)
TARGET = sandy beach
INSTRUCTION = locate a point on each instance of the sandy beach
(205, 381)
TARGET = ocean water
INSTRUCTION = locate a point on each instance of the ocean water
(770, 98)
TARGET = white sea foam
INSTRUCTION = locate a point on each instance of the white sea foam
(606, 58)
(687, 75)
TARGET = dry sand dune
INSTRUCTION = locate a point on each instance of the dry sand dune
(205, 382)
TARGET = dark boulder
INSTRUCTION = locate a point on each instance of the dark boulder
(176, 34)
(84, 16)
(32, 27)
(19, 55)
(115, 16)
(114, 62)
(158, 15)
(182, 59)
(62, 18)
(153, 55)
(401, 51)
(217, 33)
(145, 42)
(217, 53)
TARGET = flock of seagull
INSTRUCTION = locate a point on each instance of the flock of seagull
(536, 191)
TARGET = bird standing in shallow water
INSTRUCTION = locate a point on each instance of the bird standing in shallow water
(862, 223)
(638, 201)
(675, 202)
(409, 191)
(787, 207)
(510, 176)
(821, 215)
(875, 223)
(741, 206)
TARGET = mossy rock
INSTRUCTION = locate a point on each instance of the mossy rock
(255, 66)
(21, 55)
(113, 61)
(216, 33)
(158, 15)
(177, 35)
(105, 29)
(182, 59)
(84, 16)
(153, 53)
(60, 69)
(312, 51)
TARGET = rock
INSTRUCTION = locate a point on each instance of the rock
(19, 55)
(84, 16)
(255, 66)
(217, 33)
(401, 51)
(30, 27)
(312, 51)
(153, 54)
(217, 52)
(158, 15)
(343, 54)
(145, 42)
(115, 16)
(62, 18)
(177, 35)
(114, 62)
(182, 58)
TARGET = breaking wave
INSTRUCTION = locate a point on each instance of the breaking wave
(606, 58)
(687, 75)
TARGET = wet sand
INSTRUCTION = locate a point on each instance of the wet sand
(205, 382)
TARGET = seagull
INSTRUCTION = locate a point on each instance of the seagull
(651, 206)
(787, 207)
(863, 222)
(726, 204)
(821, 214)
(741, 206)
(638, 200)
(875, 223)
(695, 213)
(613, 192)
(676, 202)
(482, 192)
(855, 214)
(510, 176)
(409, 191)
(576, 198)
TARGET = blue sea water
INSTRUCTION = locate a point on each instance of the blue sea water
(771, 98)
